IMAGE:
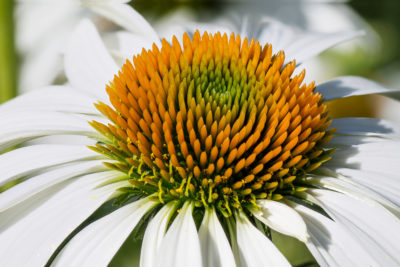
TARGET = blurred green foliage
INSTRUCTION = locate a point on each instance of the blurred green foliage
(8, 62)
(384, 17)
(294, 250)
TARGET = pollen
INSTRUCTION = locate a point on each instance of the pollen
(217, 119)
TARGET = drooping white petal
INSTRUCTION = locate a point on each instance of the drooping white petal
(88, 65)
(331, 244)
(36, 184)
(19, 126)
(35, 228)
(345, 185)
(23, 161)
(369, 221)
(125, 16)
(96, 244)
(154, 235)
(53, 98)
(339, 141)
(64, 139)
(215, 248)
(181, 246)
(382, 156)
(281, 218)
(351, 86)
(255, 249)
(384, 184)
(366, 127)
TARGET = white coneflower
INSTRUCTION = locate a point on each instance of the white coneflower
(210, 142)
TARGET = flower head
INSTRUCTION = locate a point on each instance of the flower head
(210, 143)
(217, 121)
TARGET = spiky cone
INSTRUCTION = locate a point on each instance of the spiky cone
(220, 121)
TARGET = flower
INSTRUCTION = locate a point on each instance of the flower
(209, 144)
(43, 26)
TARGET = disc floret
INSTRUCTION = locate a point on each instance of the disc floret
(219, 121)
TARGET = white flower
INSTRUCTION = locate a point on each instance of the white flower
(211, 147)
(43, 26)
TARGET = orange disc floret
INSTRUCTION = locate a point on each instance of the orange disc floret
(217, 119)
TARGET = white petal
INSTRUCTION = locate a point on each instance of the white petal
(181, 246)
(275, 33)
(47, 59)
(366, 127)
(281, 218)
(310, 45)
(36, 184)
(331, 244)
(35, 228)
(348, 140)
(382, 156)
(176, 23)
(22, 161)
(297, 44)
(131, 44)
(255, 249)
(184, 20)
(42, 30)
(96, 244)
(33, 28)
(215, 248)
(19, 126)
(88, 65)
(351, 86)
(345, 185)
(154, 235)
(65, 139)
(370, 222)
(53, 98)
(384, 184)
(125, 16)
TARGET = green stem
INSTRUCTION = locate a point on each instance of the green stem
(8, 58)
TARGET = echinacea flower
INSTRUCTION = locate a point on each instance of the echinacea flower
(210, 143)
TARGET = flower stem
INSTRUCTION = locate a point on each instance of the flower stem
(8, 58)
